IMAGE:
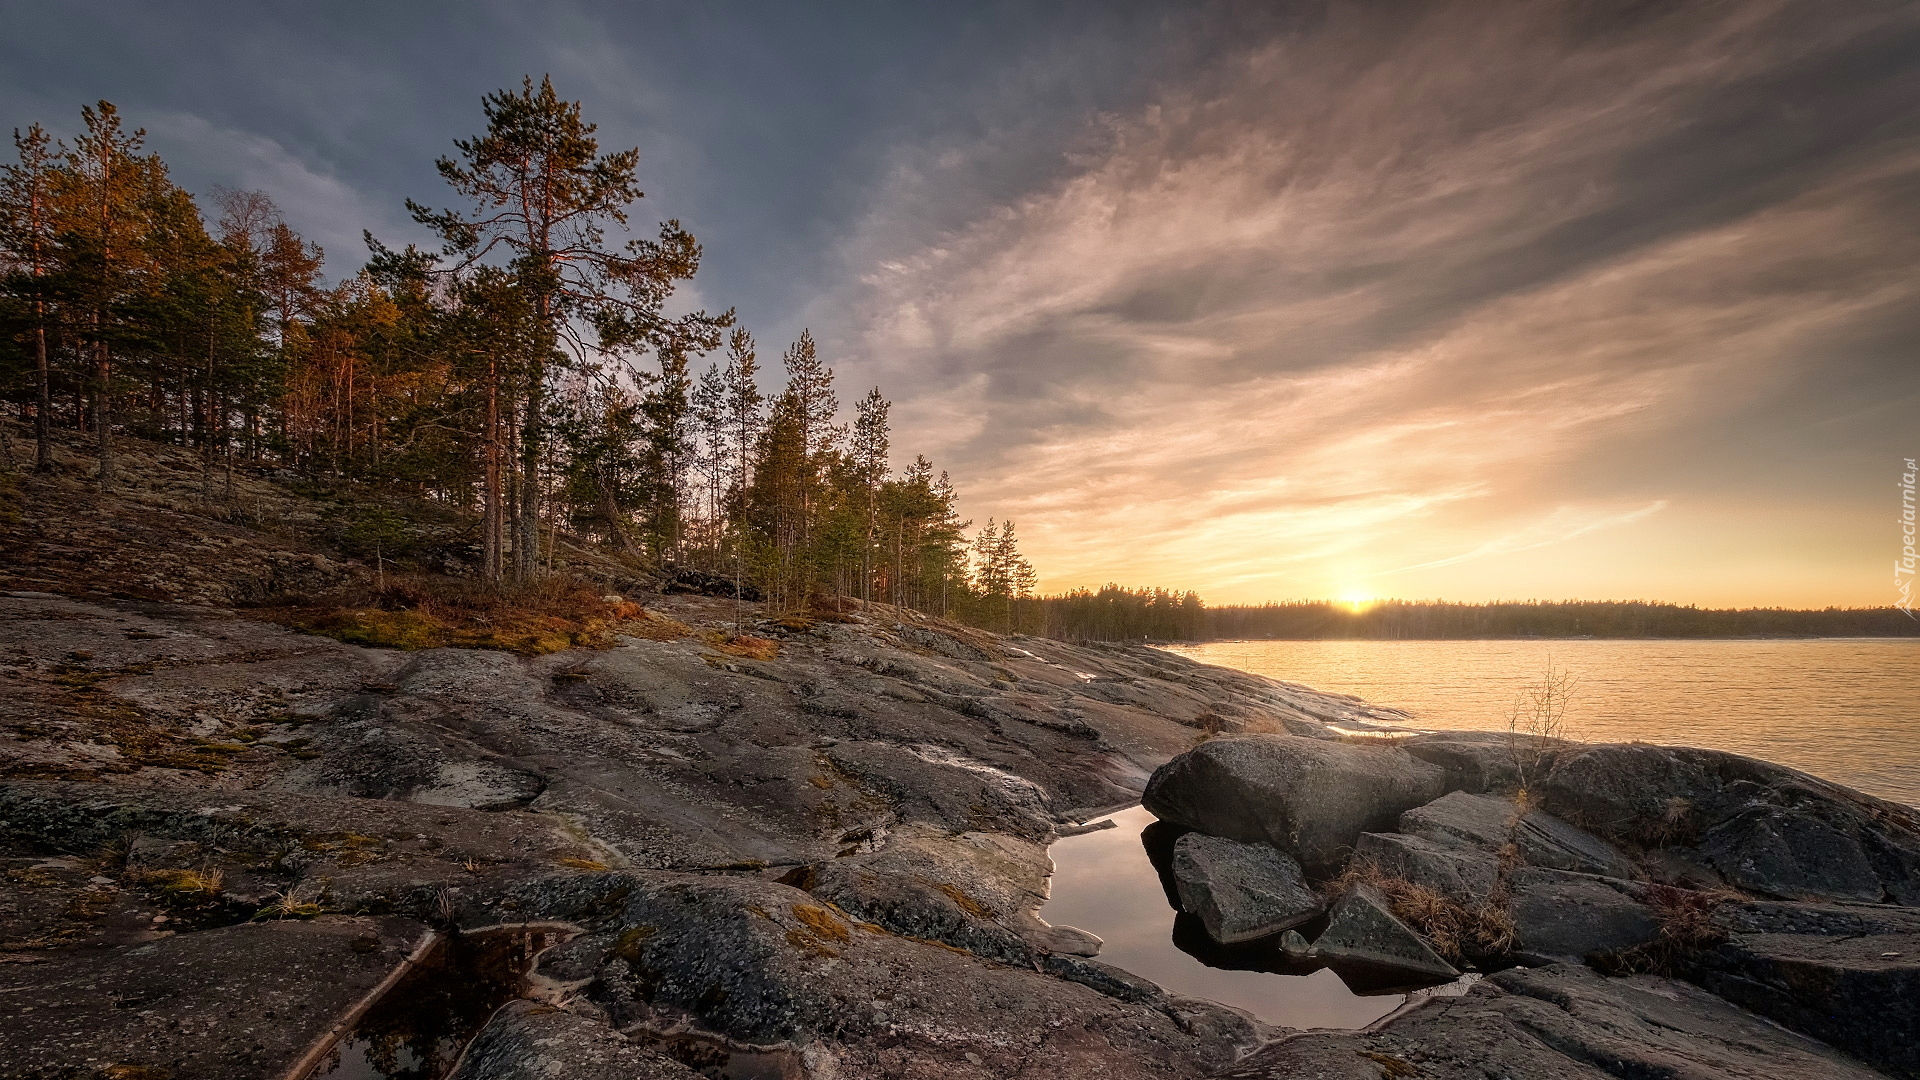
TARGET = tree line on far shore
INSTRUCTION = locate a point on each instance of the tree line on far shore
(526, 372)
(1117, 614)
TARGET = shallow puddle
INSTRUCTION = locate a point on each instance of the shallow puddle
(1105, 882)
(417, 1029)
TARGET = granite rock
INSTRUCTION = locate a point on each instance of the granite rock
(1241, 891)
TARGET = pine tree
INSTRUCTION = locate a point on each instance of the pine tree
(542, 192)
(668, 418)
(777, 501)
(869, 454)
(27, 246)
(100, 192)
(710, 453)
(742, 405)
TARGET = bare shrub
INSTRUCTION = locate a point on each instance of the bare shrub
(1537, 723)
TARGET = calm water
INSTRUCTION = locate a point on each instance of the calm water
(1104, 882)
(1847, 709)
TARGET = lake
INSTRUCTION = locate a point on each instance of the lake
(1845, 709)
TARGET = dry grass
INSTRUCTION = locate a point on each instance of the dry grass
(184, 887)
(818, 931)
(583, 864)
(425, 612)
(1457, 932)
(294, 902)
(1675, 823)
(743, 645)
(822, 923)
(1686, 927)
(1391, 1068)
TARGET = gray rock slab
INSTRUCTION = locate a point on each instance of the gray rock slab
(1241, 891)
(1465, 876)
(1562, 915)
(1363, 928)
(526, 1041)
(763, 963)
(1562, 1022)
(1827, 920)
(1308, 797)
(233, 1002)
(1857, 992)
(1490, 822)
(975, 891)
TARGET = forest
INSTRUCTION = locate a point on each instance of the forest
(525, 372)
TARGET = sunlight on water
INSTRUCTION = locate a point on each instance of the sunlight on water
(1845, 709)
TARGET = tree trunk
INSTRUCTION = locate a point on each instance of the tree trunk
(526, 543)
(610, 510)
(43, 416)
(103, 410)
(493, 533)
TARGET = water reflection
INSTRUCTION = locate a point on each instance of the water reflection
(1112, 883)
(417, 1029)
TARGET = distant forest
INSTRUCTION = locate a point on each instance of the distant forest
(1120, 614)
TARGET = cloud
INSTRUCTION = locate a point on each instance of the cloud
(1378, 292)
(321, 206)
(1563, 524)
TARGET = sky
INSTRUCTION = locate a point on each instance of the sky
(1476, 300)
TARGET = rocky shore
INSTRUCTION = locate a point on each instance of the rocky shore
(1642, 910)
(235, 850)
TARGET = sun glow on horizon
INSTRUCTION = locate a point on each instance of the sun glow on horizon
(1358, 600)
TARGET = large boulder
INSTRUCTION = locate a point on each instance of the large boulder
(1309, 797)
(1797, 852)
(1241, 891)
(1490, 822)
(1484, 761)
(1362, 928)
(1765, 828)
(1564, 916)
(1465, 876)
